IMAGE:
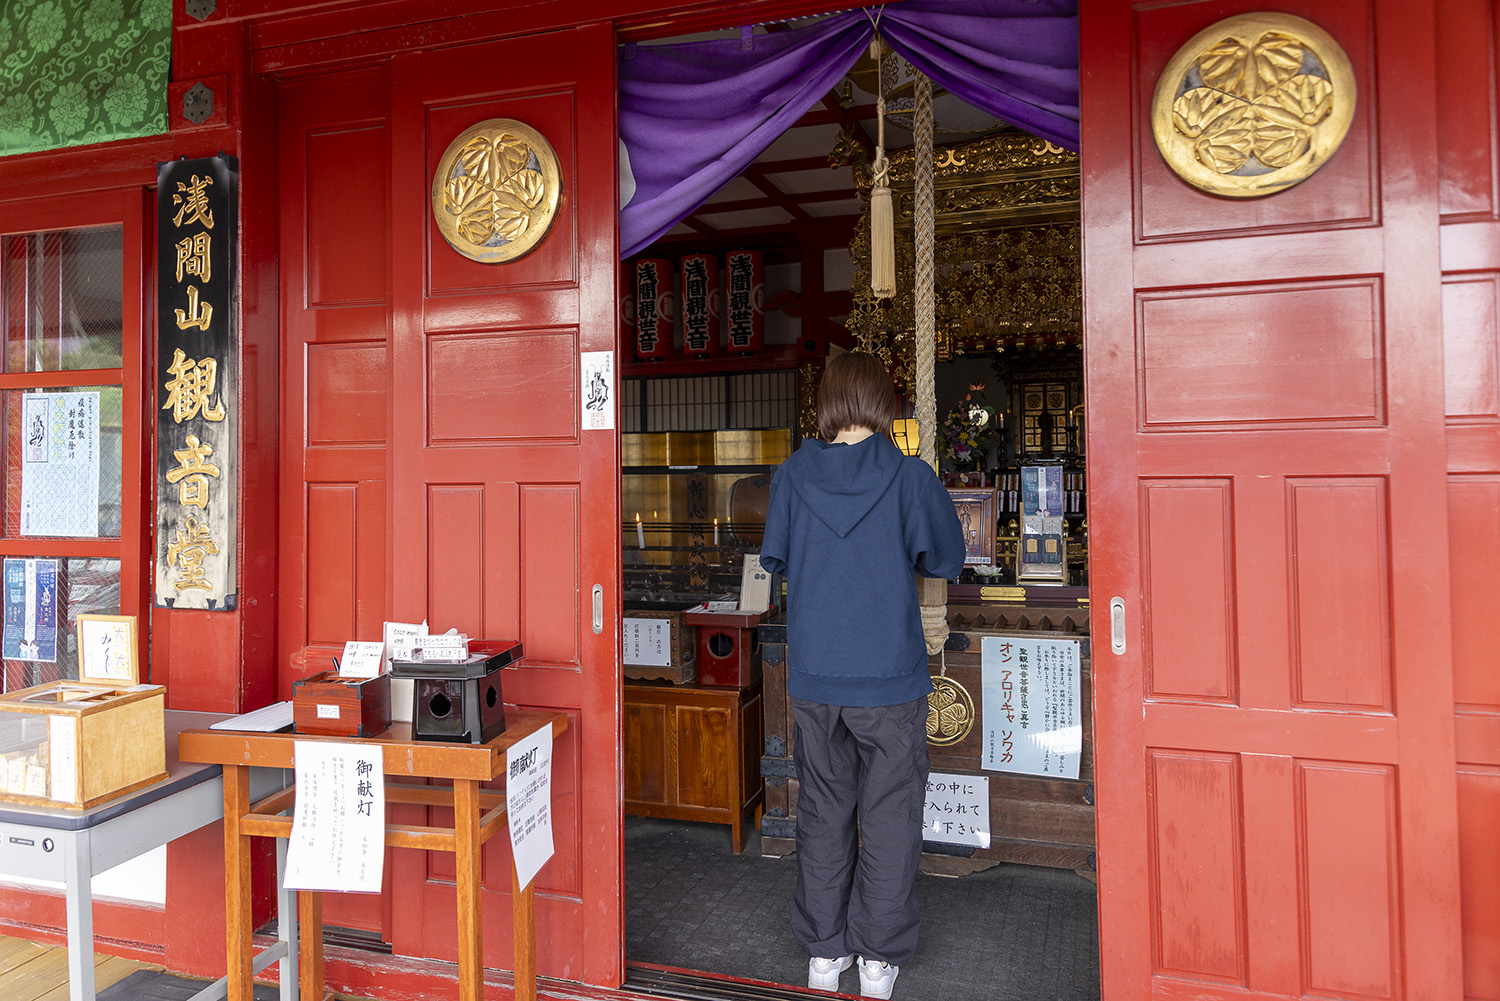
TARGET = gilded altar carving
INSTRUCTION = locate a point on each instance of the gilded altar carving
(496, 190)
(1006, 257)
(1253, 104)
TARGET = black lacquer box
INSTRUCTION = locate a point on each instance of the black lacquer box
(459, 701)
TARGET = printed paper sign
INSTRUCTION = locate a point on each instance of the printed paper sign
(597, 393)
(1033, 721)
(400, 638)
(60, 464)
(30, 610)
(528, 798)
(957, 810)
(648, 642)
(338, 825)
(362, 660)
(755, 585)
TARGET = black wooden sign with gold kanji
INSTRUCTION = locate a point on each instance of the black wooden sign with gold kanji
(197, 381)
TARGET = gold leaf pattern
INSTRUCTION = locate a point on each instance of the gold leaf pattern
(1274, 130)
(1228, 146)
(1199, 108)
(1277, 58)
(1308, 97)
(494, 191)
(1222, 66)
(1276, 144)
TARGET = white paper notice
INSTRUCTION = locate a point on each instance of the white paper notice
(62, 740)
(362, 660)
(597, 392)
(957, 810)
(1033, 717)
(528, 799)
(338, 826)
(60, 464)
(648, 642)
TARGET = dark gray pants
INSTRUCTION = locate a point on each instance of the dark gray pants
(863, 780)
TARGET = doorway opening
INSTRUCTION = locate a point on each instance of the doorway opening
(1008, 901)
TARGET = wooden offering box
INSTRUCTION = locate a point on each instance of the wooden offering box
(460, 701)
(79, 743)
(328, 705)
(727, 650)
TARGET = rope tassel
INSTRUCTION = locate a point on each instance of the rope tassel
(882, 218)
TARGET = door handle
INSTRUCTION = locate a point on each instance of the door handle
(598, 609)
(1117, 625)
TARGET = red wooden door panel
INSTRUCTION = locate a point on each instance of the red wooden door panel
(504, 512)
(1278, 813)
(333, 163)
(1468, 127)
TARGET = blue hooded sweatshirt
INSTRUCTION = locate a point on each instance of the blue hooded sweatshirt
(848, 525)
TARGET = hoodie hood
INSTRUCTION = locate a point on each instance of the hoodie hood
(841, 483)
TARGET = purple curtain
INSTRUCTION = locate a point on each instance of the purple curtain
(694, 115)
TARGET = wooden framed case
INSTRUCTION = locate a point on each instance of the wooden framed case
(79, 743)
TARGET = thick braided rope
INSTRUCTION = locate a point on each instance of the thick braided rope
(934, 616)
(926, 346)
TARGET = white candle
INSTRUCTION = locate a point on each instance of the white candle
(640, 533)
(716, 531)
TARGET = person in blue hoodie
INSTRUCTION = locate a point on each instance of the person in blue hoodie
(851, 521)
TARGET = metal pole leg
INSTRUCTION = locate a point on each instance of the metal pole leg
(79, 892)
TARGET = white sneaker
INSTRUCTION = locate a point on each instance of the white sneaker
(876, 978)
(823, 974)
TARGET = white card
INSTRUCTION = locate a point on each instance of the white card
(362, 659)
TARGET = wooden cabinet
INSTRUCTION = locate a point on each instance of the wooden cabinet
(692, 752)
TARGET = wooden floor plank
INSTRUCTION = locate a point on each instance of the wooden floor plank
(40, 973)
(16, 951)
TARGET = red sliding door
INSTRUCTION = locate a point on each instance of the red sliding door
(1277, 813)
(436, 466)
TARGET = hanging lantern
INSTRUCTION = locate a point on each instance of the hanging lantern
(700, 305)
(654, 308)
(745, 314)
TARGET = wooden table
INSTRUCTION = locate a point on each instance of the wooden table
(477, 816)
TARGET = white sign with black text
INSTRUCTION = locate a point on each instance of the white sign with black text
(956, 810)
(1032, 706)
(597, 392)
(338, 825)
(648, 642)
(528, 800)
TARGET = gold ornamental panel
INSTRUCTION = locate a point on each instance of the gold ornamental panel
(496, 190)
(950, 712)
(1253, 104)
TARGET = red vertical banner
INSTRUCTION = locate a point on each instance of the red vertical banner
(745, 281)
(655, 308)
(700, 305)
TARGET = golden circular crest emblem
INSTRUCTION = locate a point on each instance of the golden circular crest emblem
(950, 712)
(496, 190)
(1253, 104)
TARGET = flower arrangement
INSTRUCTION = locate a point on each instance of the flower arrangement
(969, 429)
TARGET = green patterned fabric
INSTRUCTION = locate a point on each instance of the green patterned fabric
(82, 71)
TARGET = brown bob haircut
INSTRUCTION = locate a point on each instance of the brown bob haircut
(855, 392)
